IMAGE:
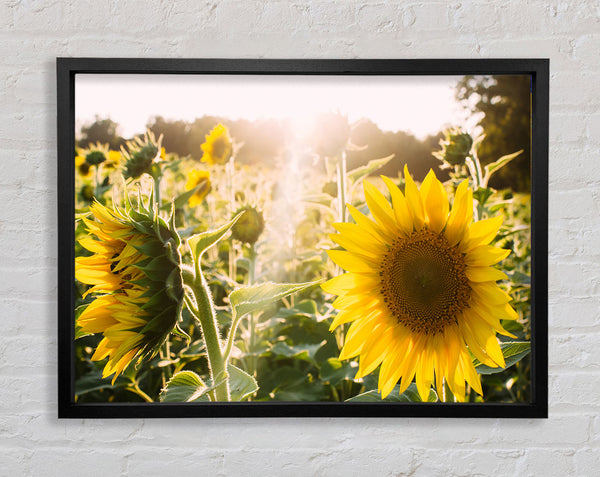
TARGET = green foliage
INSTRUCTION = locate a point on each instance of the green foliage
(513, 352)
(282, 348)
(250, 299)
(504, 101)
(410, 395)
(185, 386)
(241, 383)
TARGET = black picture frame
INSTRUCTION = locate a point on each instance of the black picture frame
(68, 68)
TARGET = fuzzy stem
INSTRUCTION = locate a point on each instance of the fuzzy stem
(205, 314)
(156, 178)
(341, 180)
(136, 390)
(251, 317)
(97, 181)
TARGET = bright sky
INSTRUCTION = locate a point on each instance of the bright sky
(420, 105)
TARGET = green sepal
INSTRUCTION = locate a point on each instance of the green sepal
(178, 331)
(200, 243)
(173, 285)
(150, 248)
(157, 269)
(155, 300)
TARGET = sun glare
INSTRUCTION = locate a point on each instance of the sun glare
(419, 105)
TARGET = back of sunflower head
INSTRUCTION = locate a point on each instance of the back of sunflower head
(135, 270)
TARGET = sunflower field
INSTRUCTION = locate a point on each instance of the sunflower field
(299, 279)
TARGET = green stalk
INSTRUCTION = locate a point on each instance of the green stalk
(252, 321)
(97, 179)
(136, 390)
(205, 314)
(230, 169)
(156, 178)
(341, 180)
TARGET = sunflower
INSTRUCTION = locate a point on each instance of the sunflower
(421, 290)
(134, 270)
(83, 167)
(217, 147)
(199, 180)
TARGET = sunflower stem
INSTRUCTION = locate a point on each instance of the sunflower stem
(230, 170)
(251, 318)
(136, 390)
(97, 180)
(204, 312)
(156, 178)
(341, 179)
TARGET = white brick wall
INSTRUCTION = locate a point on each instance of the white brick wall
(33, 442)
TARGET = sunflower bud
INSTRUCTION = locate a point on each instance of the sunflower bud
(249, 226)
(87, 193)
(140, 156)
(95, 157)
(456, 146)
(135, 275)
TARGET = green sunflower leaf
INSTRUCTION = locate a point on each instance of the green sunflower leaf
(93, 382)
(513, 351)
(305, 351)
(201, 242)
(253, 298)
(490, 169)
(181, 199)
(185, 386)
(334, 371)
(410, 395)
(361, 172)
(241, 384)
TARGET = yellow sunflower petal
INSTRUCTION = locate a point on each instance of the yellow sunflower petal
(424, 374)
(484, 274)
(461, 214)
(369, 226)
(489, 292)
(355, 245)
(379, 207)
(352, 262)
(435, 200)
(400, 206)
(413, 197)
(486, 255)
(354, 230)
(481, 233)
(374, 349)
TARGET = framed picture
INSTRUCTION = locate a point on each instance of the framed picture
(302, 237)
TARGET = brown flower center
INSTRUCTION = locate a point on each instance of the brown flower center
(423, 282)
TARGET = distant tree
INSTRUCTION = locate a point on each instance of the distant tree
(505, 102)
(103, 131)
(407, 149)
(175, 134)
